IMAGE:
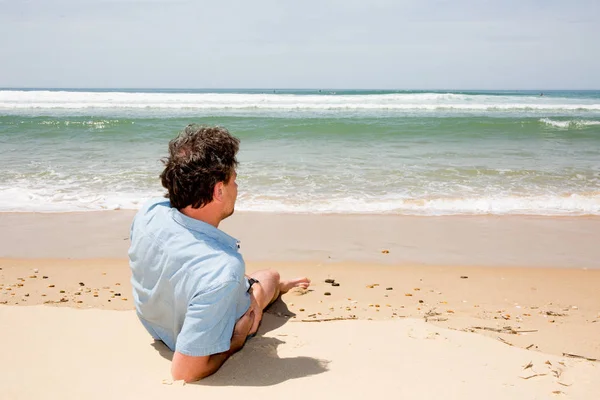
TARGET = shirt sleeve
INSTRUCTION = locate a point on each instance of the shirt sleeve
(209, 321)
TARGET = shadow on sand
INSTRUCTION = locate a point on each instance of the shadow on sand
(258, 363)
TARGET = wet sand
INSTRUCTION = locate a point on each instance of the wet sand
(460, 240)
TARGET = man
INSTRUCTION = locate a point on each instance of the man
(189, 282)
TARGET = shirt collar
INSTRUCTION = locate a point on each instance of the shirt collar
(204, 228)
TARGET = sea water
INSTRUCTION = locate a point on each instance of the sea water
(311, 151)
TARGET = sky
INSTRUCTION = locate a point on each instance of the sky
(402, 44)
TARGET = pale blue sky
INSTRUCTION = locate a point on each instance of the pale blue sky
(460, 44)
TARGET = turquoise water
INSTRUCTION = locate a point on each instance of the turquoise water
(401, 152)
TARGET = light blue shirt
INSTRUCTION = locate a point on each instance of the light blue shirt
(188, 280)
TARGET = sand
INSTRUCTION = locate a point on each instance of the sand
(526, 241)
(504, 308)
(62, 353)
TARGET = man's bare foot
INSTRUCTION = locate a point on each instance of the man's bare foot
(285, 286)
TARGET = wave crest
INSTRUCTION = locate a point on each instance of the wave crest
(64, 100)
(576, 124)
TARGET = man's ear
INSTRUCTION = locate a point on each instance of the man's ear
(218, 192)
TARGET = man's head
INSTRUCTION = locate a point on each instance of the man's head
(200, 169)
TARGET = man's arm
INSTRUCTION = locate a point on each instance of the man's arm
(190, 368)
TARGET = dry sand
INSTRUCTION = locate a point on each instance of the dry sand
(403, 322)
(62, 353)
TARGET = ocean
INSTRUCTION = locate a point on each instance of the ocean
(311, 151)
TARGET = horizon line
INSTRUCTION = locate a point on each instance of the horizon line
(284, 88)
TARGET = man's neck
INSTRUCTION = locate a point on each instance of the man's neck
(205, 214)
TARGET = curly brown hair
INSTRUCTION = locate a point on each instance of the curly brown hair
(199, 158)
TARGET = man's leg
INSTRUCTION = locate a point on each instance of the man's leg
(270, 286)
(266, 291)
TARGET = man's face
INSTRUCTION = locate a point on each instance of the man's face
(229, 195)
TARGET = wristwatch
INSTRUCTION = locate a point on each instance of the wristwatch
(251, 281)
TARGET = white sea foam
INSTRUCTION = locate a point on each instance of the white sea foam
(536, 205)
(578, 123)
(36, 101)
(46, 200)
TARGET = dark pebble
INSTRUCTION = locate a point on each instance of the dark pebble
(420, 301)
(44, 277)
(464, 277)
(81, 284)
(389, 288)
(327, 294)
(335, 284)
(329, 280)
(117, 294)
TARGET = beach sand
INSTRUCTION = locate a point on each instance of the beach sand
(448, 307)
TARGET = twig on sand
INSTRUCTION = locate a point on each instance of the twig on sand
(555, 314)
(506, 329)
(532, 376)
(578, 356)
(504, 341)
(324, 319)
